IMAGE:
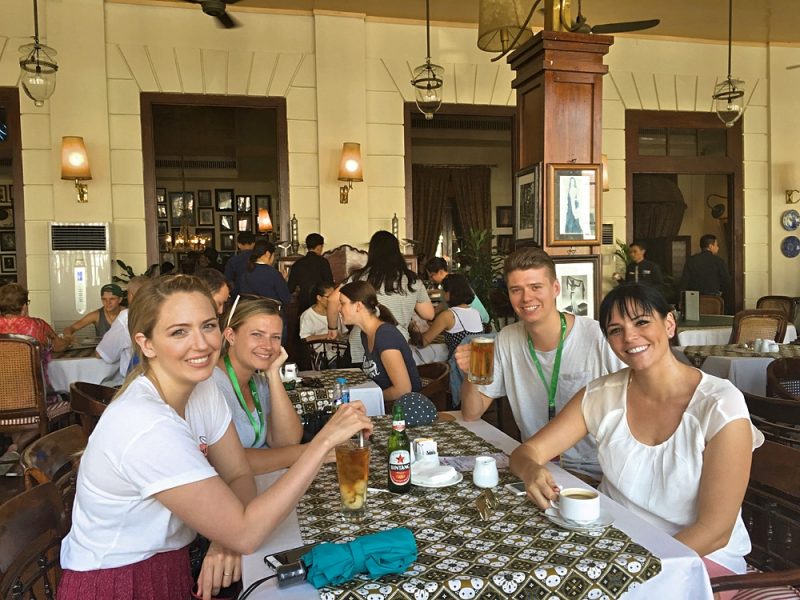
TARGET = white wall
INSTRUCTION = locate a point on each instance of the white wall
(345, 79)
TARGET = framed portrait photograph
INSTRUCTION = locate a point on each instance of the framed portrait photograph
(528, 205)
(579, 278)
(226, 222)
(226, 242)
(224, 199)
(244, 203)
(9, 263)
(8, 241)
(6, 217)
(204, 199)
(264, 201)
(161, 209)
(573, 205)
(505, 243)
(162, 227)
(504, 216)
(5, 197)
(205, 216)
(161, 195)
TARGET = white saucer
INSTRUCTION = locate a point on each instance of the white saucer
(604, 520)
(457, 479)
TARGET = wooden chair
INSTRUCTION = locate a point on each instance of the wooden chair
(783, 378)
(796, 311)
(327, 354)
(54, 458)
(435, 383)
(766, 324)
(501, 306)
(784, 304)
(711, 305)
(32, 525)
(344, 260)
(88, 401)
(777, 418)
(23, 399)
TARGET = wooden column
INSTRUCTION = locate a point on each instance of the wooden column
(559, 83)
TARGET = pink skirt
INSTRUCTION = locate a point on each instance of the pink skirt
(717, 570)
(164, 576)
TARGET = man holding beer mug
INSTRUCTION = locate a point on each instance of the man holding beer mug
(541, 361)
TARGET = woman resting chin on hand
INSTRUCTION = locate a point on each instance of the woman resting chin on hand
(165, 463)
(656, 423)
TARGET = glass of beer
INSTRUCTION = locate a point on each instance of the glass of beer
(481, 362)
(352, 467)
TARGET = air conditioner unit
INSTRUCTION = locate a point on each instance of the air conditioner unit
(79, 266)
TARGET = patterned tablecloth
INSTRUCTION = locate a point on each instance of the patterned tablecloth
(698, 354)
(310, 400)
(517, 553)
(82, 352)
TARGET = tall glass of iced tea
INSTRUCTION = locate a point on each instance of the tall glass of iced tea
(481, 362)
(352, 467)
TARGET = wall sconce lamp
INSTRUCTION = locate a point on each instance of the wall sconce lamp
(604, 160)
(790, 194)
(75, 164)
(349, 169)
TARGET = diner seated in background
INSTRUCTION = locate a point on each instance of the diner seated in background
(219, 287)
(165, 463)
(265, 420)
(438, 270)
(14, 318)
(387, 355)
(675, 444)
(456, 322)
(314, 320)
(116, 343)
(111, 295)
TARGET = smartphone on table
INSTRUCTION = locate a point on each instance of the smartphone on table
(517, 488)
(287, 557)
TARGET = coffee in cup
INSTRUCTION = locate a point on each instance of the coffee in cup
(579, 505)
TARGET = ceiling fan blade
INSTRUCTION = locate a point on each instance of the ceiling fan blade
(227, 21)
(622, 27)
(790, 67)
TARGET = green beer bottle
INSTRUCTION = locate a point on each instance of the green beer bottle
(399, 453)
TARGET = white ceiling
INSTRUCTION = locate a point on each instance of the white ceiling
(753, 20)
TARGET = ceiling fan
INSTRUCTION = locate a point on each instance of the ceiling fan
(581, 25)
(216, 9)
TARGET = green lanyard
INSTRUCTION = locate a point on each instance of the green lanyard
(258, 425)
(551, 389)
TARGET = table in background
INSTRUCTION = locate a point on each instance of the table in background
(712, 330)
(80, 364)
(307, 399)
(682, 572)
(745, 369)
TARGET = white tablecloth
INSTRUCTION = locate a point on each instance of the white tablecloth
(368, 392)
(682, 572)
(747, 373)
(64, 371)
(717, 336)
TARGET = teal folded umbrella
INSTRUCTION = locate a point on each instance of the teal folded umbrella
(390, 551)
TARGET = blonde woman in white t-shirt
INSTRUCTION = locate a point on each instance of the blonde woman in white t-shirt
(165, 462)
(674, 443)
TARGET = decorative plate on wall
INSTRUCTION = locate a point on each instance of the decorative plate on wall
(790, 246)
(790, 219)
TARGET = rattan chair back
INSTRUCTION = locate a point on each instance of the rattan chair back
(711, 305)
(783, 378)
(784, 304)
(749, 325)
(22, 387)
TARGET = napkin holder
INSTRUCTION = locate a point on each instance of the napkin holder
(424, 449)
(691, 305)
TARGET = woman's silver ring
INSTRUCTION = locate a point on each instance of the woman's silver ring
(226, 574)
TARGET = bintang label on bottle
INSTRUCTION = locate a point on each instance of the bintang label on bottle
(399, 454)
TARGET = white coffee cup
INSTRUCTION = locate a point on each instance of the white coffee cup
(288, 372)
(580, 505)
(758, 345)
(485, 474)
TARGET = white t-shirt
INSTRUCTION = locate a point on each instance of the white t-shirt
(243, 425)
(116, 343)
(140, 447)
(586, 356)
(661, 483)
(313, 323)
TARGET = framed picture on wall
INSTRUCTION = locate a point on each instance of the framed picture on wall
(504, 216)
(204, 199)
(528, 205)
(205, 216)
(579, 278)
(5, 197)
(161, 209)
(6, 217)
(207, 234)
(264, 201)
(573, 204)
(226, 242)
(244, 224)
(181, 206)
(8, 241)
(226, 222)
(162, 227)
(505, 243)
(224, 199)
(9, 263)
(244, 203)
(161, 195)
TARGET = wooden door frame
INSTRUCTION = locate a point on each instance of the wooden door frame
(9, 98)
(148, 99)
(462, 110)
(730, 165)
